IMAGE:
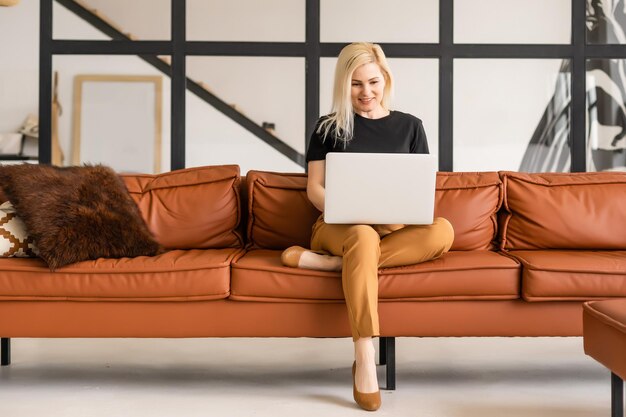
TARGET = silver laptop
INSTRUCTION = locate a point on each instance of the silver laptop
(380, 188)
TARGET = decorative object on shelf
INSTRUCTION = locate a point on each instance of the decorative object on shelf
(30, 140)
(6, 3)
(25, 143)
(30, 127)
(270, 127)
(117, 121)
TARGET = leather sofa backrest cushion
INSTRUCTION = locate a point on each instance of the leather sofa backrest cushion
(470, 201)
(281, 215)
(564, 210)
(194, 208)
(279, 212)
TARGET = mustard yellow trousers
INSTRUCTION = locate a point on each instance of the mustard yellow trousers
(365, 248)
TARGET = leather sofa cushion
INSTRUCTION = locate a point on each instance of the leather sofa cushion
(478, 275)
(172, 276)
(572, 275)
(195, 208)
(470, 201)
(564, 211)
(280, 213)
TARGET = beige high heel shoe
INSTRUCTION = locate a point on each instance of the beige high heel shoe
(368, 401)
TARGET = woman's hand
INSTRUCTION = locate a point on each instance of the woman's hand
(316, 182)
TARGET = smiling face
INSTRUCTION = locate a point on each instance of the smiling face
(368, 85)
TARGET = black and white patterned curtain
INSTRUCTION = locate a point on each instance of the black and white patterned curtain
(549, 147)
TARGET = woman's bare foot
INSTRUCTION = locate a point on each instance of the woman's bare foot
(312, 260)
(299, 257)
(365, 355)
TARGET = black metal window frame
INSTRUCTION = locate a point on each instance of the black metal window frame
(312, 50)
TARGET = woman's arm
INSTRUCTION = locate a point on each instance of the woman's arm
(316, 183)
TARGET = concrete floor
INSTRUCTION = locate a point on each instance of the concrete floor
(499, 377)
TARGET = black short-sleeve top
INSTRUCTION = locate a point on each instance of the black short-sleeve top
(395, 133)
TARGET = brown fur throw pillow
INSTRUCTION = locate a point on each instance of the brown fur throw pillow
(77, 213)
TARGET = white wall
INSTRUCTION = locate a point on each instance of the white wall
(376, 21)
(19, 60)
(497, 104)
(512, 21)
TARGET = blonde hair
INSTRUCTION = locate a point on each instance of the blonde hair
(340, 123)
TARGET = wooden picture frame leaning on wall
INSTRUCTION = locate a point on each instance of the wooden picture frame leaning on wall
(57, 111)
(117, 121)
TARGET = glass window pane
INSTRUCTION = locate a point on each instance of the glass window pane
(244, 20)
(118, 119)
(511, 114)
(512, 21)
(416, 91)
(142, 19)
(606, 117)
(373, 21)
(269, 90)
(606, 23)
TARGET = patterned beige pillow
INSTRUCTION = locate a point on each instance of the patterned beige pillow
(14, 239)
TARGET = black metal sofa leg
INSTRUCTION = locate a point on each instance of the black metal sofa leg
(617, 396)
(382, 350)
(387, 356)
(5, 351)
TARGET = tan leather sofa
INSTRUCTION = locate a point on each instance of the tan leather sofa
(528, 250)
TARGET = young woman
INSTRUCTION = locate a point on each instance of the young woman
(361, 121)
